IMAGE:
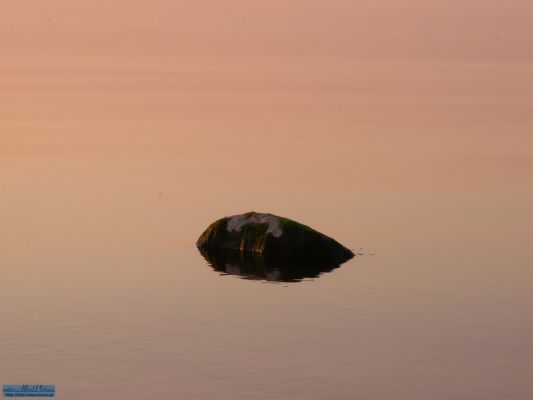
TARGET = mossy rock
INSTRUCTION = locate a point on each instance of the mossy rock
(274, 238)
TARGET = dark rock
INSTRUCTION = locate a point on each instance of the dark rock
(269, 242)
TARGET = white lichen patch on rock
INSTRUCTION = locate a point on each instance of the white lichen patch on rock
(236, 222)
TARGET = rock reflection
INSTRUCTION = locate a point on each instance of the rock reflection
(249, 266)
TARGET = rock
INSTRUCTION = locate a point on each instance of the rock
(274, 238)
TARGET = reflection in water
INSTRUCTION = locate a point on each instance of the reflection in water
(250, 266)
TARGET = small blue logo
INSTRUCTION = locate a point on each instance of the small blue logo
(29, 390)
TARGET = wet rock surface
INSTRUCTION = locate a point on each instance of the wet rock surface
(266, 246)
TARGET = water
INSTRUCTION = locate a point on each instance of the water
(104, 292)
(120, 143)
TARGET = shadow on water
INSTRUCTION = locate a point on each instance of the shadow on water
(254, 267)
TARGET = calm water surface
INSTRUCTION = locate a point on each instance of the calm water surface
(103, 290)
(121, 141)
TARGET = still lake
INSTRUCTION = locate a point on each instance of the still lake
(109, 176)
